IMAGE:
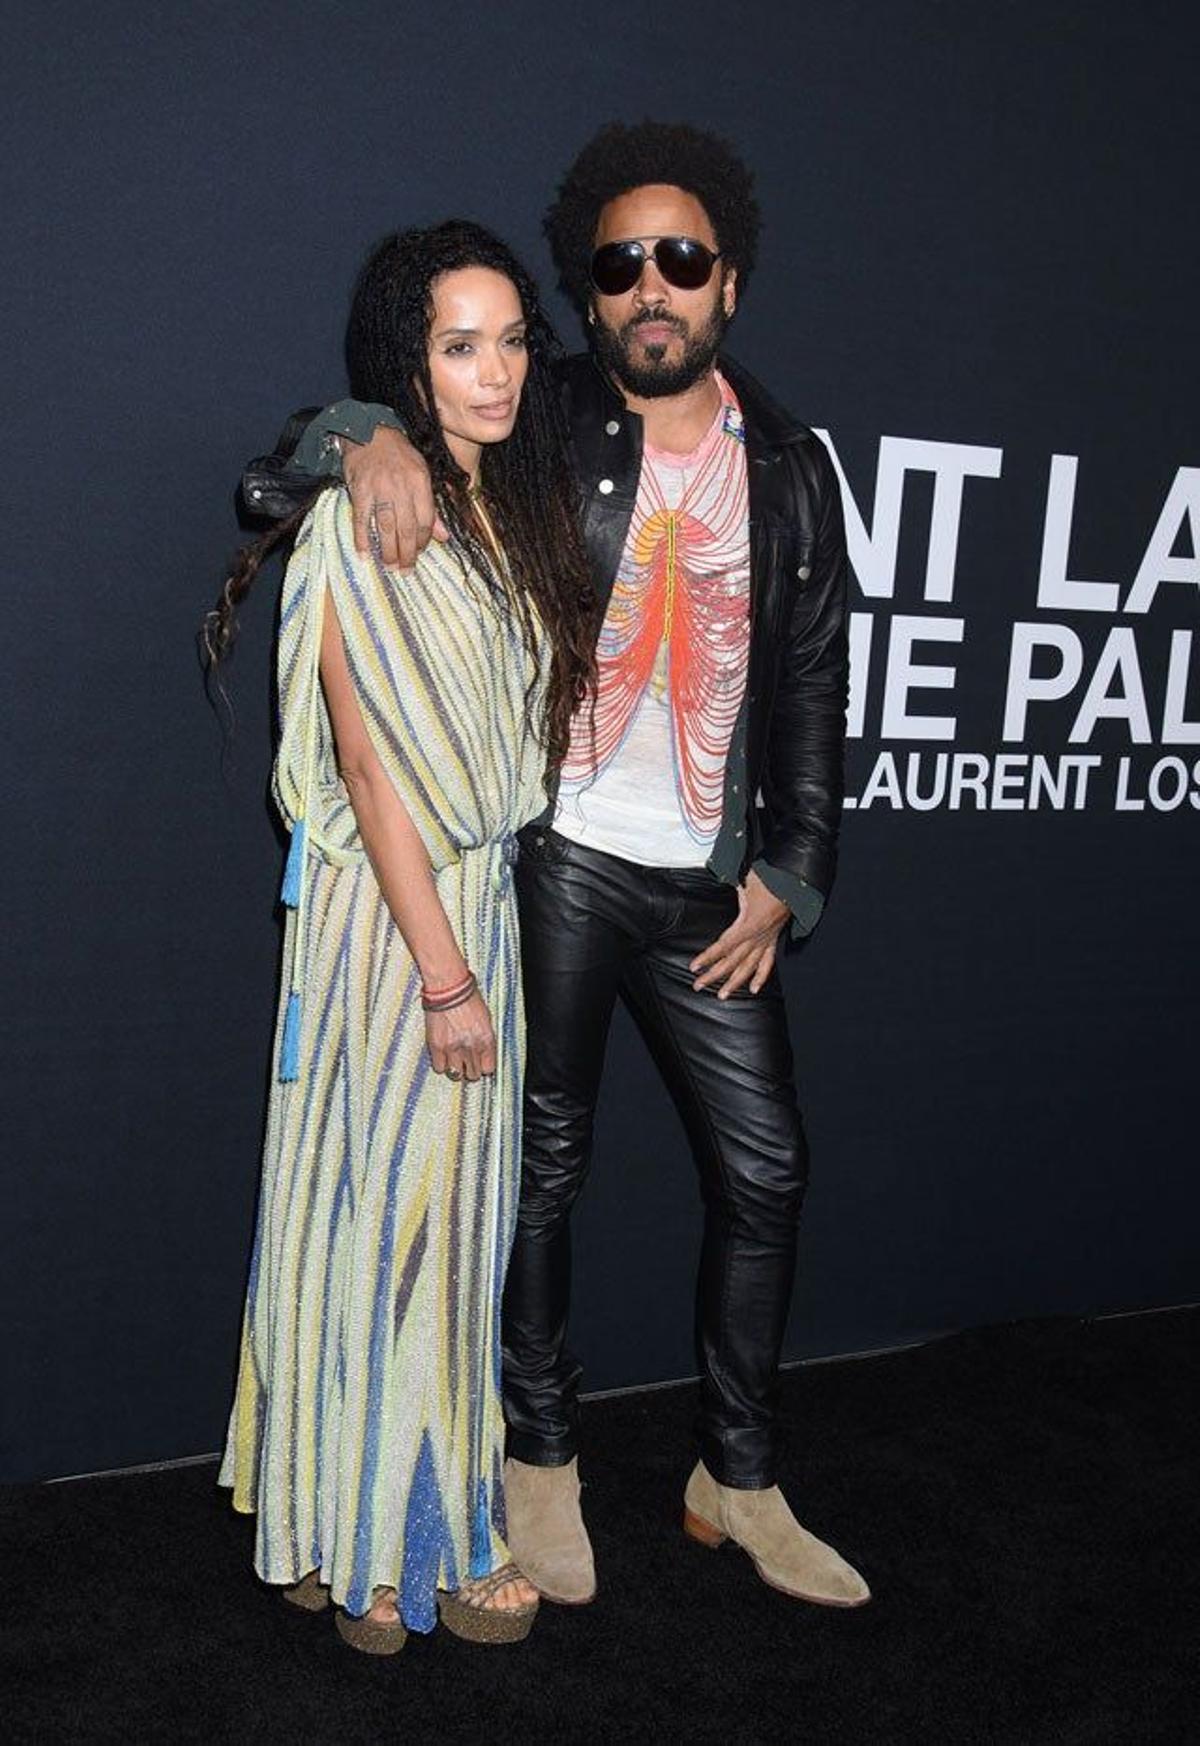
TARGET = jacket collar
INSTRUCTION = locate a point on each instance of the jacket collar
(768, 425)
(765, 418)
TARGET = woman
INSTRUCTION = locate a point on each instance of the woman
(417, 718)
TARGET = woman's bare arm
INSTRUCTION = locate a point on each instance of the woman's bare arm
(462, 1038)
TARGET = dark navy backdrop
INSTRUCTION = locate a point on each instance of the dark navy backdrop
(980, 231)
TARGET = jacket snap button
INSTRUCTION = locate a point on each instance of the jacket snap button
(604, 487)
(804, 572)
(612, 427)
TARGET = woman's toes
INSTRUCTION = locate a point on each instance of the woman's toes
(514, 1595)
(383, 1611)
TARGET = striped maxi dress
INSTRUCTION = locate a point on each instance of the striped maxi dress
(366, 1430)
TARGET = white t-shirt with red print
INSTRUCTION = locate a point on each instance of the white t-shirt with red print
(647, 782)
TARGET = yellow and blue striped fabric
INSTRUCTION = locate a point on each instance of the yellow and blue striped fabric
(366, 1430)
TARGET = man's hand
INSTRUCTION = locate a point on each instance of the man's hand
(392, 497)
(745, 952)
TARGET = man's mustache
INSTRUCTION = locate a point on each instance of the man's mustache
(659, 317)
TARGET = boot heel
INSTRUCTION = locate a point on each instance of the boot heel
(698, 1529)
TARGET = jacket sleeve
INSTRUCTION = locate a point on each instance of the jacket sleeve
(803, 779)
(274, 485)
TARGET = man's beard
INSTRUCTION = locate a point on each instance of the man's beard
(655, 378)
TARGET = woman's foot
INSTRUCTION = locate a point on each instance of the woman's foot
(378, 1632)
(498, 1608)
(383, 1610)
(514, 1594)
(309, 1594)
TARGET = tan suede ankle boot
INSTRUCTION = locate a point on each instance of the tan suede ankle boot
(546, 1535)
(786, 1556)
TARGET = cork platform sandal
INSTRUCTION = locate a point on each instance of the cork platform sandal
(368, 1635)
(466, 1612)
(309, 1594)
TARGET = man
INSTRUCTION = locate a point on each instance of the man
(696, 818)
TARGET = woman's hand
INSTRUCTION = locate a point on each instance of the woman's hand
(461, 1042)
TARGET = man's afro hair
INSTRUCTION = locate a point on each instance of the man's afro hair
(622, 157)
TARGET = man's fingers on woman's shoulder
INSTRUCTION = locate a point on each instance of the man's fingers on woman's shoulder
(361, 520)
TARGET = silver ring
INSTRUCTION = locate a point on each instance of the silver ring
(453, 1073)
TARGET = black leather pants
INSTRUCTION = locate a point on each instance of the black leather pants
(594, 927)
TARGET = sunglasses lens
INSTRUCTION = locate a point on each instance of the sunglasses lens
(617, 267)
(683, 263)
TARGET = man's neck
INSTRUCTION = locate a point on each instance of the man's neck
(677, 422)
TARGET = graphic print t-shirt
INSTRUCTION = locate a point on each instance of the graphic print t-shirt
(672, 658)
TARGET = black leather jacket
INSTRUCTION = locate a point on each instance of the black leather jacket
(788, 743)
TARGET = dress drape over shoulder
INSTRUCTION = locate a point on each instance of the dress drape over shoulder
(366, 1430)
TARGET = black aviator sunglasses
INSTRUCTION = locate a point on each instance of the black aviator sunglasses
(617, 266)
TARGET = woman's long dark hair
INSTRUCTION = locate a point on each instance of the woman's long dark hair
(526, 481)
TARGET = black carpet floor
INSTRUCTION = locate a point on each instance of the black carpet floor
(1023, 1500)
